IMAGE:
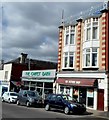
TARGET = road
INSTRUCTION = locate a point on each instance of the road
(13, 111)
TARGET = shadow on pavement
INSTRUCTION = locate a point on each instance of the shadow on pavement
(61, 111)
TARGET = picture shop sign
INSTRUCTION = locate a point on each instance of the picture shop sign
(39, 74)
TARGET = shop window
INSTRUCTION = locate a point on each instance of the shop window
(32, 88)
(48, 85)
(39, 90)
(61, 89)
(75, 93)
(90, 98)
(82, 95)
(39, 84)
(67, 90)
(4, 89)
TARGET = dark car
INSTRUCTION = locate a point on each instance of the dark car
(64, 102)
(29, 98)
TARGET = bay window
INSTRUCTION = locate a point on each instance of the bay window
(87, 57)
(68, 59)
(65, 59)
(91, 28)
(71, 56)
(90, 57)
(72, 38)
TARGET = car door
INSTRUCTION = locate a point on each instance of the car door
(59, 102)
(21, 97)
(52, 101)
(24, 98)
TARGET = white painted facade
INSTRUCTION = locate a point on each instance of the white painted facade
(102, 84)
(5, 76)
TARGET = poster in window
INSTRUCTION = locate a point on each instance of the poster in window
(75, 92)
(90, 93)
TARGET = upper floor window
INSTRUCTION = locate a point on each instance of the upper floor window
(68, 59)
(90, 57)
(91, 29)
(67, 39)
(69, 35)
(72, 38)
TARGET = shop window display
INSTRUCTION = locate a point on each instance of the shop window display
(90, 98)
(67, 90)
(75, 93)
(61, 89)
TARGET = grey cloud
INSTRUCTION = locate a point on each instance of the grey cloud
(33, 28)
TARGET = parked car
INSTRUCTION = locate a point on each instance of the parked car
(10, 97)
(64, 102)
(29, 98)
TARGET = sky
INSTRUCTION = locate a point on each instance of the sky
(32, 27)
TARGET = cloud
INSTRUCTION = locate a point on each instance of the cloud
(32, 27)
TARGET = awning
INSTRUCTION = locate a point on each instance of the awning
(17, 83)
(78, 82)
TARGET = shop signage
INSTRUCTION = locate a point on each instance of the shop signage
(39, 74)
(72, 82)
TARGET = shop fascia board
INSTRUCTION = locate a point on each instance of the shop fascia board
(36, 78)
(84, 75)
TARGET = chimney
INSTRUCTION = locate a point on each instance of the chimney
(23, 58)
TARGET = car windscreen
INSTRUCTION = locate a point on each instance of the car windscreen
(13, 94)
(67, 97)
(32, 94)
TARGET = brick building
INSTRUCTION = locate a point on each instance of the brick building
(83, 57)
(11, 72)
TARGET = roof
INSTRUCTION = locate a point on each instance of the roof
(94, 11)
(39, 63)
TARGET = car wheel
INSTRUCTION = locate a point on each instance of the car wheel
(66, 110)
(47, 107)
(2, 99)
(9, 101)
(27, 103)
(18, 103)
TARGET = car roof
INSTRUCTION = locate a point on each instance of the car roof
(10, 92)
(58, 94)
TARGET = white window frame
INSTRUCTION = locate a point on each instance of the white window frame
(68, 60)
(91, 21)
(68, 31)
(72, 32)
(84, 57)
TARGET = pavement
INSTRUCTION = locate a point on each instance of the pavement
(98, 113)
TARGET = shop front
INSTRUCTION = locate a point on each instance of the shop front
(90, 88)
(80, 89)
(4, 87)
(39, 80)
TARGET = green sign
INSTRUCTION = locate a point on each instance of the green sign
(39, 74)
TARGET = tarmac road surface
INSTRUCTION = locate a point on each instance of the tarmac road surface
(15, 112)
